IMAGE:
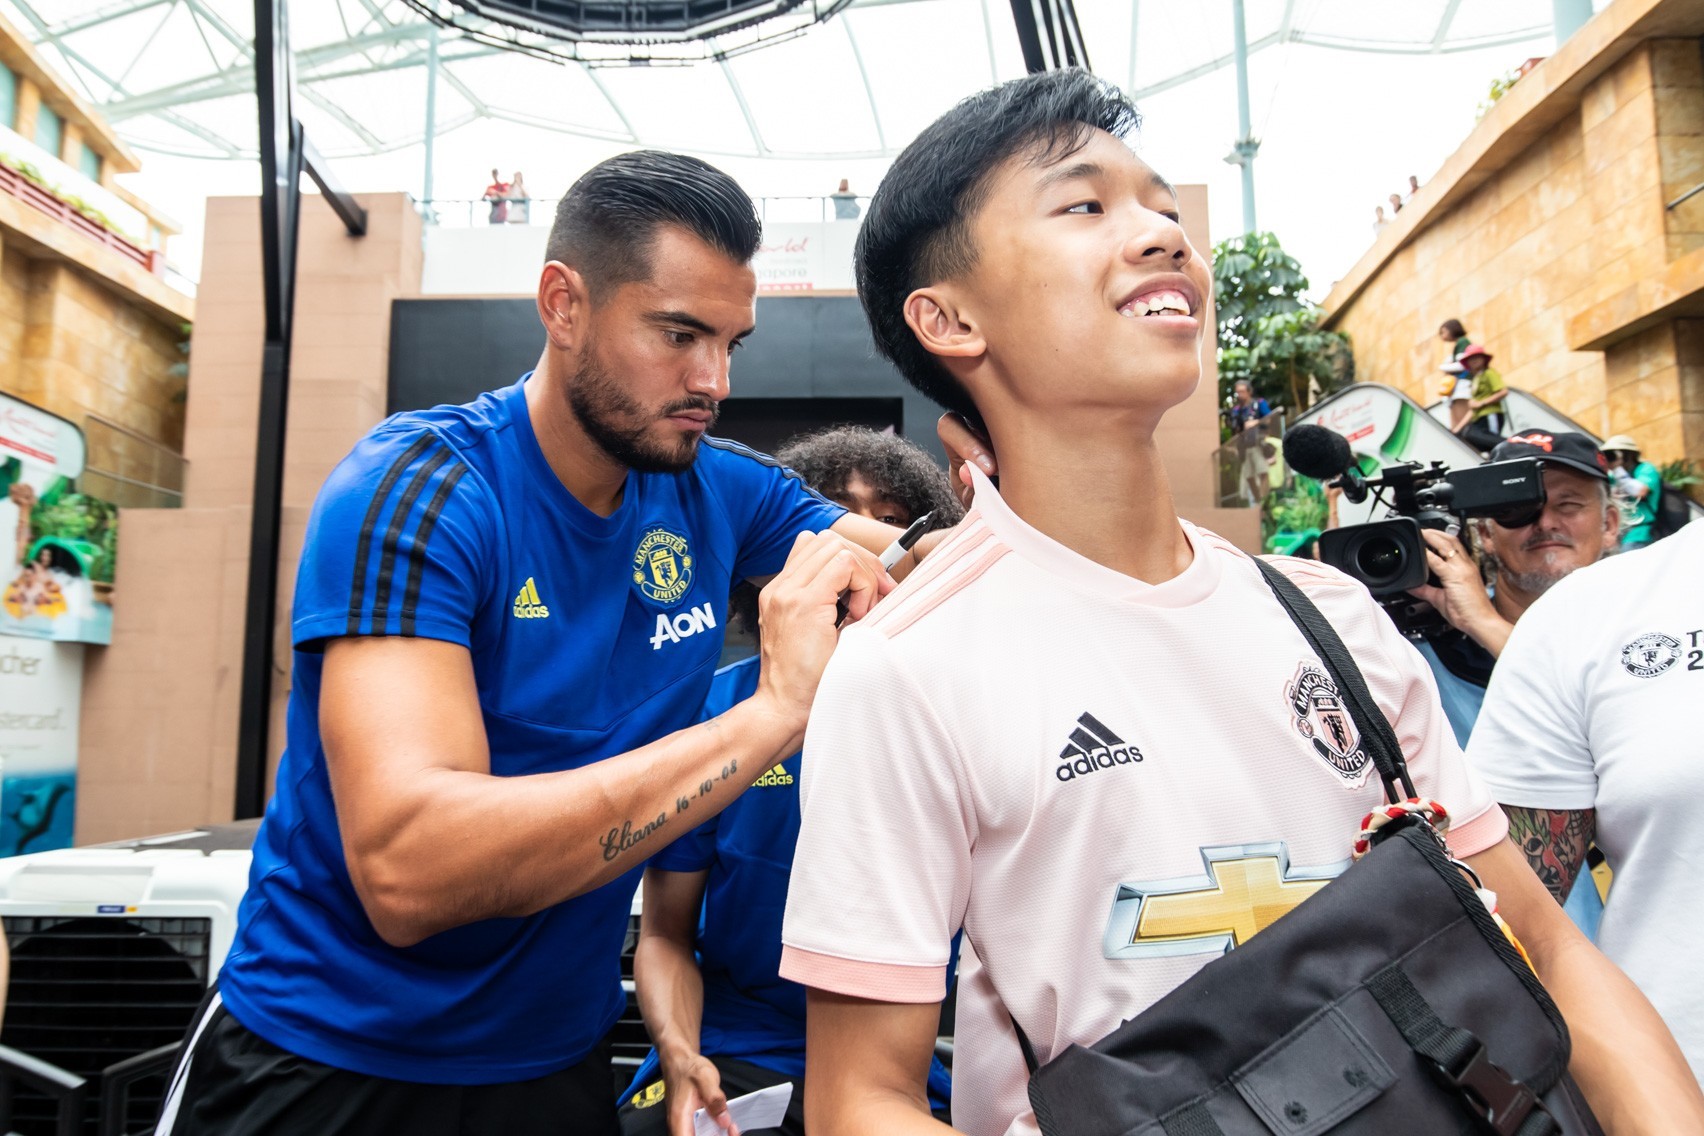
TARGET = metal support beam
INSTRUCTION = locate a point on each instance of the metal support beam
(431, 135)
(284, 155)
(1049, 35)
(1246, 147)
(1570, 16)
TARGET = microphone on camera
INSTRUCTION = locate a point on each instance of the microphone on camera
(1324, 454)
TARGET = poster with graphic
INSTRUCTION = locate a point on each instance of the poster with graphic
(41, 695)
(57, 546)
(1385, 427)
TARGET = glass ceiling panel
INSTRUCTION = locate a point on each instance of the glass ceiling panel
(548, 92)
(690, 108)
(363, 63)
(824, 61)
(912, 79)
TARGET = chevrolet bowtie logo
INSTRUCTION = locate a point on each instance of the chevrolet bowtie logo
(1247, 888)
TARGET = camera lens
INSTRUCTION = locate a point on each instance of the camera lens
(1379, 559)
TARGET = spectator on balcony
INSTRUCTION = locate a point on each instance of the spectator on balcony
(1248, 417)
(1486, 423)
(1452, 386)
(845, 202)
(519, 201)
(497, 195)
(1413, 186)
(1638, 490)
(1379, 219)
(1395, 203)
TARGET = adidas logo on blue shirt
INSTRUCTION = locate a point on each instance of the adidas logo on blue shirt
(527, 603)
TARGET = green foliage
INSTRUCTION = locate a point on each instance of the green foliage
(1296, 508)
(1681, 474)
(73, 516)
(1499, 87)
(1268, 333)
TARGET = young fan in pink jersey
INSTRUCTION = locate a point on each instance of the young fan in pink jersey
(1102, 748)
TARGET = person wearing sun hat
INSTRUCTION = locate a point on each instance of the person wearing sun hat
(1486, 422)
(1638, 490)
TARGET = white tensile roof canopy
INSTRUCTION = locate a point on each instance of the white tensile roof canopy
(175, 76)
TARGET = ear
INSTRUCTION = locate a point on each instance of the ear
(941, 327)
(1611, 524)
(564, 305)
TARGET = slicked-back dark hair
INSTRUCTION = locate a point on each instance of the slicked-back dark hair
(606, 223)
(893, 466)
(916, 231)
(1453, 327)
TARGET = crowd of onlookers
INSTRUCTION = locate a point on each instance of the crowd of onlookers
(1396, 202)
(511, 203)
(1476, 395)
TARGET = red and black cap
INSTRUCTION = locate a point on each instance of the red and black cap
(1576, 451)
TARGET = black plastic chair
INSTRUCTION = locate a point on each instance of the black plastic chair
(117, 1078)
(69, 1092)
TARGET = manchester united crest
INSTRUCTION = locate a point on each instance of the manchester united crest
(662, 567)
(1321, 717)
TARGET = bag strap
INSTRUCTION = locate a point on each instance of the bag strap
(1377, 738)
(1508, 1106)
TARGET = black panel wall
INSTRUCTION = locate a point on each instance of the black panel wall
(815, 348)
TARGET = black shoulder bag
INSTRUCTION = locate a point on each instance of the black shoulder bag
(1389, 1003)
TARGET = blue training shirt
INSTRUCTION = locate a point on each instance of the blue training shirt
(750, 1012)
(590, 636)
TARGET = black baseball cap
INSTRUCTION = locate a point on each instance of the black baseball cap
(1576, 451)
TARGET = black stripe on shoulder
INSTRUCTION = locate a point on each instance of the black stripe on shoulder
(358, 589)
(393, 535)
(733, 447)
(417, 547)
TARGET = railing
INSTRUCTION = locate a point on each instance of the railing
(130, 470)
(465, 213)
(1233, 469)
(15, 183)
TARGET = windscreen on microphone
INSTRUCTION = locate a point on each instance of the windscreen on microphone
(1317, 452)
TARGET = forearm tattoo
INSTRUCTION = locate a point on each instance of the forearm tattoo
(630, 834)
(1554, 842)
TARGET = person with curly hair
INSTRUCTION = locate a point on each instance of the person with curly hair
(723, 1021)
(873, 474)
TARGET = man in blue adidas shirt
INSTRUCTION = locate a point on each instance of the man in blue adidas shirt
(506, 620)
(724, 1021)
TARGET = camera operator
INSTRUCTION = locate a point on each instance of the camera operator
(1577, 527)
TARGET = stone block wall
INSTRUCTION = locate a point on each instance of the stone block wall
(75, 348)
(1543, 225)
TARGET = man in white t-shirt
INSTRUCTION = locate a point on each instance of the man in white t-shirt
(1591, 727)
(1101, 747)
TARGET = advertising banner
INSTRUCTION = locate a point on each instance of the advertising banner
(805, 256)
(57, 546)
(1385, 427)
(41, 694)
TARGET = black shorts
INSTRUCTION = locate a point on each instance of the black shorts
(232, 1082)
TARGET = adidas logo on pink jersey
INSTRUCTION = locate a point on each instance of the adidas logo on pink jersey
(1093, 747)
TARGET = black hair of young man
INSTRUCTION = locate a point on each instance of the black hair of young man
(917, 229)
(894, 467)
(607, 220)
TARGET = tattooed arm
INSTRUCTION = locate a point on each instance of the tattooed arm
(434, 841)
(1554, 842)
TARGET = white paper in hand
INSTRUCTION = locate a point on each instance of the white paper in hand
(763, 1109)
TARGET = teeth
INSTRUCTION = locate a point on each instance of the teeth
(1154, 304)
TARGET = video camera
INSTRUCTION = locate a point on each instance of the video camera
(1389, 556)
